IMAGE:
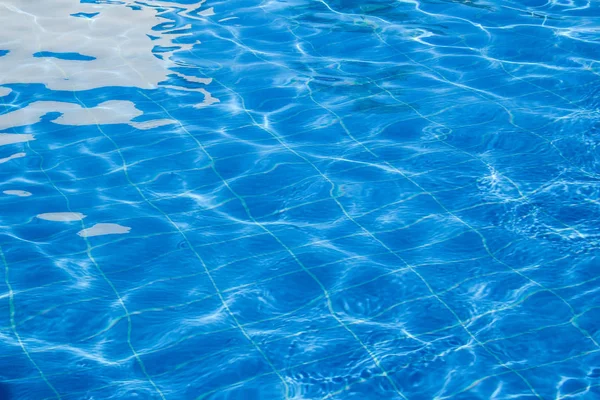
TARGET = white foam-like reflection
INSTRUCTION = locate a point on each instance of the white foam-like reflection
(116, 37)
(75, 46)
(19, 193)
(113, 37)
(62, 216)
(12, 157)
(12, 138)
(109, 112)
(104, 229)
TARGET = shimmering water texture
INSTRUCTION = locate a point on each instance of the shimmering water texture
(301, 199)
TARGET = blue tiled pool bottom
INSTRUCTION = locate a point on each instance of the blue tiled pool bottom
(300, 200)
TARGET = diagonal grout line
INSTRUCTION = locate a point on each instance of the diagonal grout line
(88, 252)
(358, 166)
(308, 245)
(453, 395)
(476, 157)
(467, 88)
(115, 241)
(301, 181)
(237, 384)
(92, 259)
(368, 233)
(415, 336)
(373, 317)
(191, 247)
(11, 302)
(403, 260)
(582, 354)
(477, 382)
(467, 322)
(374, 81)
(453, 214)
(275, 213)
(381, 343)
(463, 87)
(275, 318)
(251, 284)
(296, 259)
(577, 392)
(357, 285)
(484, 242)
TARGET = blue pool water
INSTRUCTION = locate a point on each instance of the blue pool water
(300, 199)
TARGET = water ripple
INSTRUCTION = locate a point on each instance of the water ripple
(324, 199)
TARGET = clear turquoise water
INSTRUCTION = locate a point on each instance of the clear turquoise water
(299, 199)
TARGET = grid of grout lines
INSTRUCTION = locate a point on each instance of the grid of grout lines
(360, 215)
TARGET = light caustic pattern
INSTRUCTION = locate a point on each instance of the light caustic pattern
(311, 199)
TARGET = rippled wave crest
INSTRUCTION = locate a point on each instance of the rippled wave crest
(301, 199)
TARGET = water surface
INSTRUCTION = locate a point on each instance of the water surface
(304, 199)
